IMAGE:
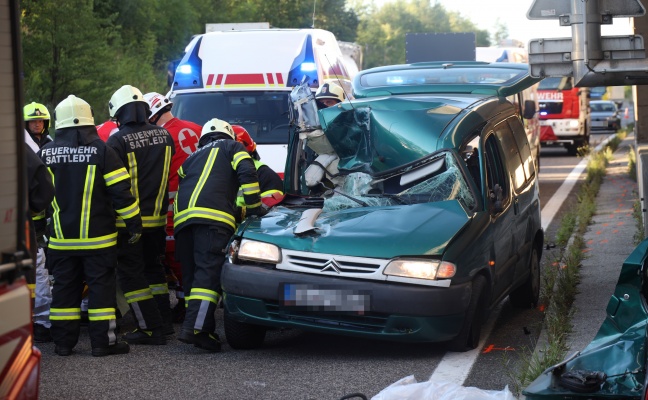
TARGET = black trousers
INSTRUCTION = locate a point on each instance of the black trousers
(132, 276)
(69, 272)
(201, 251)
(154, 245)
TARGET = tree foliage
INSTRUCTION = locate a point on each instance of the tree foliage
(90, 48)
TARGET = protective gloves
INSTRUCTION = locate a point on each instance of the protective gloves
(135, 237)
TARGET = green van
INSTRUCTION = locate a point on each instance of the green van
(425, 216)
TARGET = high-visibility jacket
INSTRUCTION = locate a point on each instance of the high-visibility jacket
(270, 183)
(209, 181)
(91, 184)
(146, 151)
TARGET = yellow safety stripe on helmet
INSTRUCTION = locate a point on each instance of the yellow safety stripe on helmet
(250, 188)
(117, 175)
(130, 211)
(101, 314)
(55, 215)
(32, 289)
(268, 193)
(181, 172)
(163, 187)
(241, 155)
(61, 314)
(100, 242)
(86, 203)
(207, 213)
(138, 295)
(204, 294)
(203, 177)
(159, 289)
(132, 166)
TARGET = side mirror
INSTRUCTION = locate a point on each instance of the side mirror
(529, 109)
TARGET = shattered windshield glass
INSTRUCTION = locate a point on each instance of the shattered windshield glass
(435, 179)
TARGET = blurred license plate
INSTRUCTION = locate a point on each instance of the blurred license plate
(317, 298)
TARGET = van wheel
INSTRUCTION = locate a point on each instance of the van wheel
(528, 294)
(468, 337)
(241, 335)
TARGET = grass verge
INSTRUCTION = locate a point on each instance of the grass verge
(561, 275)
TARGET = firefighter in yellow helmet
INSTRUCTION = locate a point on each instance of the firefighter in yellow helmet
(37, 123)
(204, 222)
(91, 186)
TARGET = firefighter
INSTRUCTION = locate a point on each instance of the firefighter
(185, 135)
(89, 180)
(204, 222)
(146, 151)
(37, 121)
(329, 94)
(270, 182)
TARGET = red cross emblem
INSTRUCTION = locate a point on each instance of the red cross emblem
(188, 140)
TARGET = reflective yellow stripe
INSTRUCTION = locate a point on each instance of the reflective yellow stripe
(117, 175)
(86, 203)
(159, 289)
(250, 188)
(32, 289)
(203, 177)
(165, 178)
(37, 217)
(83, 244)
(130, 211)
(55, 215)
(204, 294)
(241, 155)
(254, 205)
(60, 314)
(268, 193)
(138, 295)
(132, 166)
(147, 222)
(181, 173)
(101, 314)
(207, 213)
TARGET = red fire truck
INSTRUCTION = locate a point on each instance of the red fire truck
(564, 114)
(19, 359)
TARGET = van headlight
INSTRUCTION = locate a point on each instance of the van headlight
(252, 250)
(421, 269)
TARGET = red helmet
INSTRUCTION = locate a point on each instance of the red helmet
(244, 137)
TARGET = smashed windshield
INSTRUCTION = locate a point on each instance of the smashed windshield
(435, 179)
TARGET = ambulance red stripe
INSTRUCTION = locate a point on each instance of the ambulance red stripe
(219, 79)
(244, 79)
(210, 79)
(270, 78)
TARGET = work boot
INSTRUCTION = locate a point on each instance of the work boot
(117, 348)
(168, 329)
(178, 312)
(141, 336)
(202, 340)
(62, 350)
(42, 334)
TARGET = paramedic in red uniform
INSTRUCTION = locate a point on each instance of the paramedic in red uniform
(185, 135)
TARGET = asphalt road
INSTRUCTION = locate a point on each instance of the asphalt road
(294, 364)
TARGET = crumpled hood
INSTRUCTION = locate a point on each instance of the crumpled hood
(380, 232)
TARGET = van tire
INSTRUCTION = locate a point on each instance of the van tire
(243, 336)
(470, 333)
(528, 294)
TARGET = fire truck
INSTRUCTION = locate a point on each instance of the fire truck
(564, 114)
(19, 359)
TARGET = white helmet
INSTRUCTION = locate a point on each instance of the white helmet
(73, 112)
(156, 102)
(126, 94)
(218, 125)
(330, 90)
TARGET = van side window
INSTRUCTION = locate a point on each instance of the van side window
(511, 154)
(519, 134)
(496, 176)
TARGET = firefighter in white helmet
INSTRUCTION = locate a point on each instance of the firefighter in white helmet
(329, 94)
(146, 151)
(185, 135)
(205, 220)
(91, 185)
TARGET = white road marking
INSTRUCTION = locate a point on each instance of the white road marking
(455, 367)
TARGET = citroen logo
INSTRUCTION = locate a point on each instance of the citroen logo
(332, 265)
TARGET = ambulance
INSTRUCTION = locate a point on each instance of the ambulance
(245, 78)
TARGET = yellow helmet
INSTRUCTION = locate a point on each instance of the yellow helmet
(218, 125)
(36, 112)
(330, 90)
(73, 112)
(124, 95)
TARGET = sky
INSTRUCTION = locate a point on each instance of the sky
(512, 13)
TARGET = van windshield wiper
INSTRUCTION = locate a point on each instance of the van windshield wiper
(362, 203)
(396, 197)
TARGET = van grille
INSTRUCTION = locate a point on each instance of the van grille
(332, 264)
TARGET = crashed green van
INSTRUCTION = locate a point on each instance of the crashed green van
(411, 211)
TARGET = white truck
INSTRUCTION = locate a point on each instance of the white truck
(245, 78)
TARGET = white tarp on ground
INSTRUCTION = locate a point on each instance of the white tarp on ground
(409, 389)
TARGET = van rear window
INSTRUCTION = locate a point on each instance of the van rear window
(263, 114)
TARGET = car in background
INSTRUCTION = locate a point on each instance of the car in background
(426, 217)
(605, 115)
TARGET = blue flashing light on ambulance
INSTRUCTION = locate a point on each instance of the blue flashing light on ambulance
(245, 77)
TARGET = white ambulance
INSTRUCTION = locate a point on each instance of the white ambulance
(245, 77)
